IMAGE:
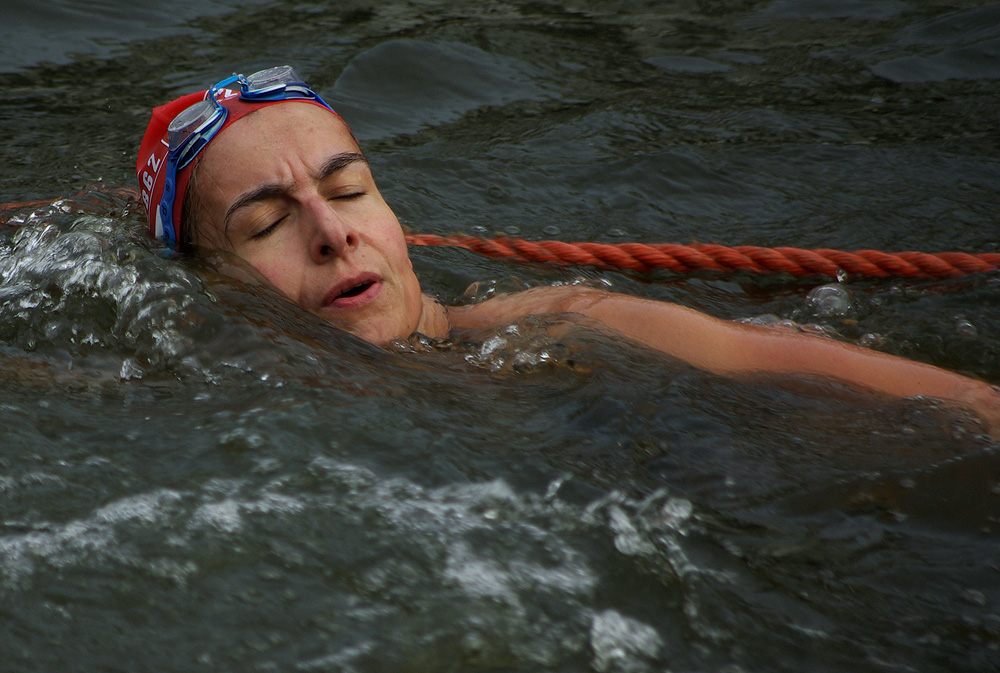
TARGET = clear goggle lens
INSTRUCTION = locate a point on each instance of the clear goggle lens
(192, 129)
(279, 82)
(190, 121)
(270, 81)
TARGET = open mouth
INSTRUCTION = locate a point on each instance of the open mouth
(354, 291)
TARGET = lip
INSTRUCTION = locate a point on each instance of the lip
(353, 292)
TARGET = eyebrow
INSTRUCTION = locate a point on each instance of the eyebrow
(335, 163)
(339, 162)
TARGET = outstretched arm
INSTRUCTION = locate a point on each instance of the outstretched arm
(733, 349)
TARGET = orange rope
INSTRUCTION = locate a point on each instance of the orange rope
(642, 257)
(798, 262)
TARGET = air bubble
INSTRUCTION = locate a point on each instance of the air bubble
(871, 340)
(830, 300)
(510, 285)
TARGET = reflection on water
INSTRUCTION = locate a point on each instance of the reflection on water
(59, 30)
(196, 475)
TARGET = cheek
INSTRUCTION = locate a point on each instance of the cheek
(399, 256)
(277, 273)
(393, 240)
(401, 253)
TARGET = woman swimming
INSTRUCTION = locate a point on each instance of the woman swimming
(287, 188)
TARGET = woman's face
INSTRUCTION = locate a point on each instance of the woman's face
(287, 189)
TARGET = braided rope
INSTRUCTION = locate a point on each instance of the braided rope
(797, 262)
(643, 257)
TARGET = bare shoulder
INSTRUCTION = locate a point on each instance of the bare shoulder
(734, 349)
(507, 308)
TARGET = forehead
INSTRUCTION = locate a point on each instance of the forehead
(287, 131)
(292, 116)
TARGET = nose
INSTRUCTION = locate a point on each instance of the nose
(330, 235)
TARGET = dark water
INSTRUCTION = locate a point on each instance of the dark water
(194, 476)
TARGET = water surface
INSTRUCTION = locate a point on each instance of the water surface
(196, 476)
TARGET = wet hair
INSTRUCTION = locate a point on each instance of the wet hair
(189, 223)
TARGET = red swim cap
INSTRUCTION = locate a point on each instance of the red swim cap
(151, 164)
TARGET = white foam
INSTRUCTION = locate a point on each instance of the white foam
(622, 644)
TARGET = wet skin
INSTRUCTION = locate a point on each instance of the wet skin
(287, 189)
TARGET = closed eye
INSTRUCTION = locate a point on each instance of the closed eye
(268, 230)
(348, 196)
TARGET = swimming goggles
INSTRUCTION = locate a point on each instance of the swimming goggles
(194, 128)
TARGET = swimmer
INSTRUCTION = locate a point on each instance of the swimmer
(264, 168)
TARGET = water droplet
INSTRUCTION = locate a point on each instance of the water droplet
(551, 230)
